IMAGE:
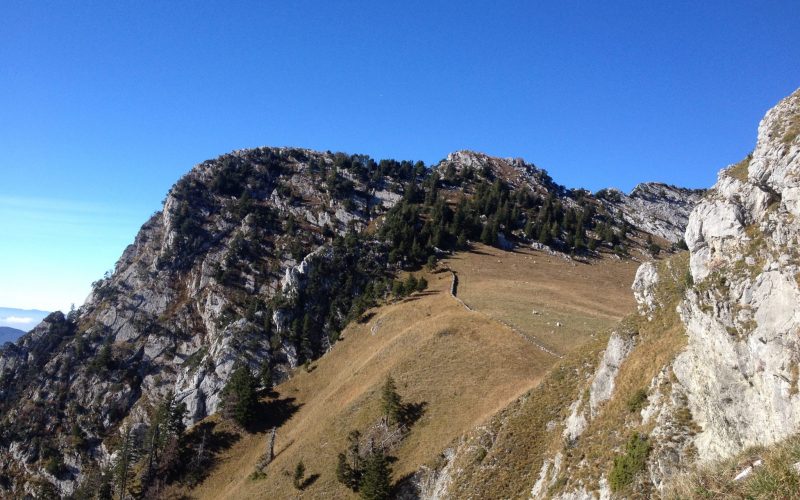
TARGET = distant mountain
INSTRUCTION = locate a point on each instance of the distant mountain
(8, 334)
(22, 319)
(260, 258)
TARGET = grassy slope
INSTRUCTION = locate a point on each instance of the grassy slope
(658, 342)
(521, 441)
(777, 477)
(465, 366)
(509, 286)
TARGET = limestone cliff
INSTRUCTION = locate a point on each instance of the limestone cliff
(740, 370)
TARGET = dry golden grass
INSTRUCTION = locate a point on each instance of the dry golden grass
(777, 478)
(740, 170)
(464, 366)
(658, 342)
(509, 286)
(521, 439)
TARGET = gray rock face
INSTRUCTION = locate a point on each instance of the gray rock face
(739, 371)
(656, 208)
(515, 171)
(187, 301)
(643, 289)
(602, 387)
(735, 385)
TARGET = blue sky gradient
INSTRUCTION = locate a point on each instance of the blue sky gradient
(103, 105)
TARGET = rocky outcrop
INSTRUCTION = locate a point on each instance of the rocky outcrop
(602, 387)
(740, 370)
(191, 297)
(644, 289)
(515, 171)
(258, 257)
(659, 209)
(734, 384)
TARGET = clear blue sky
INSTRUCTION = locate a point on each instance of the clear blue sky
(103, 105)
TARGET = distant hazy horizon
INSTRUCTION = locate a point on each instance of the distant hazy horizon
(21, 319)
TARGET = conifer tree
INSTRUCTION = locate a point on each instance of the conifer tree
(128, 453)
(411, 284)
(398, 289)
(299, 475)
(239, 398)
(265, 376)
(461, 243)
(391, 404)
(344, 472)
(376, 483)
(488, 237)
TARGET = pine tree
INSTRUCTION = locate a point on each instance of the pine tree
(265, 376)
(422, 284)
(544, 235)
(299, 475)
(344, 472)
(163, 442)
(431, 264)
(350, 468)
(398, 289)
(391, 403)
(488, 237)
(410, 284)
(239, 398)
(652, 247)
(376, 483)
(128, 453)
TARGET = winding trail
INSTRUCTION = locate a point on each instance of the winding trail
(530, 338)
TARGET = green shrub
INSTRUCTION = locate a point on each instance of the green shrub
(627, 466)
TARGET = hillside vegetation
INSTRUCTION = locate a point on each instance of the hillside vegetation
(459, 367)
(254, 268)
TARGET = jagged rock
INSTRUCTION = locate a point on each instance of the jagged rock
(643, 289)
(602, 386)
(656, 208)
(741, 320)
(548, 475)
(576, 422)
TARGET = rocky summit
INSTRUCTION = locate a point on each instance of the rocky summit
(261, 261)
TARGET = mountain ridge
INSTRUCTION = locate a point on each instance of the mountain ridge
(261, 257)
(702, 381)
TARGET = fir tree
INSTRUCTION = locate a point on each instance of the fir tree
(344, 472)
(488, 237)
(265, 376)
(299, 475)
(398, 289)
(391, 403)
(376, 482)
(239, 398)
(128, 453)
(461, 243)
(410, 284)
(431, 264)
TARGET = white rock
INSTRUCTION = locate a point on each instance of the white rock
(644, 289)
